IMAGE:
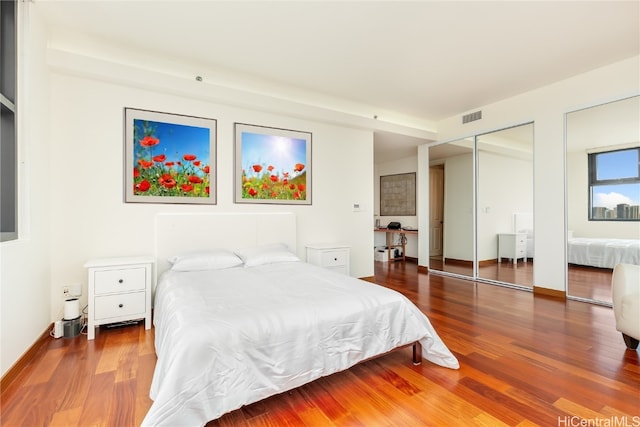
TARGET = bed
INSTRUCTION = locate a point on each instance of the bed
(230, 332)
(602, 253)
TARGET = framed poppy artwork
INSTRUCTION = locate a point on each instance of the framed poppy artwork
(272, 165)
(169, 158)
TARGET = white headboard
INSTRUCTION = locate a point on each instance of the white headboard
(178, 233)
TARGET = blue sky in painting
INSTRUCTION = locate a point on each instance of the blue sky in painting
(268, 150)
(176, 140)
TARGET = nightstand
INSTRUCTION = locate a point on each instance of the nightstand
(512, 246)
(331, 256)
(119, 290)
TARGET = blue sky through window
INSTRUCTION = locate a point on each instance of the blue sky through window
(617, 165)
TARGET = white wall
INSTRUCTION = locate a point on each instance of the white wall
(546, 107)
(505, 186)
(405, 165)
(458, 208)
(25, 290)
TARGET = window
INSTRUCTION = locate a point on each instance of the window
(614, 185)
(8, 141)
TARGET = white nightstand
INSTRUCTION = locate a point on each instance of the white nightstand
(512, 246)
(329, 255)
(119, 290)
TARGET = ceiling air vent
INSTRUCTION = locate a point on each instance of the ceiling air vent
(471, 117)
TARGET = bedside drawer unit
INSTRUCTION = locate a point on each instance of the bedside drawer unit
(332, 259)
(119, 291)
(512, 246)
(331, 256)
(119, 280)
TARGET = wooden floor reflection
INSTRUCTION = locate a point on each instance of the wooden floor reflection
(588, 283)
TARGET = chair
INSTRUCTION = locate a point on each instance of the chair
(625, 290)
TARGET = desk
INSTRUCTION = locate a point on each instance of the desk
(403, 241)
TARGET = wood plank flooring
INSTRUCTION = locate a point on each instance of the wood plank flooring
(589, 283)
(525, 360)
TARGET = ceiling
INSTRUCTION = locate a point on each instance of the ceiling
(407, 61)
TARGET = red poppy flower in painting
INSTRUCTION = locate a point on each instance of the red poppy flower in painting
(269, 168)
(159, 158)
(186, 187)
(206, 189)
(257, 168)
(149, 141)
(285, 181)
(273, 194)
(252, 192)
(274, 178)
(189, 157)
(206, 169)
(197, 163)
(292, 186)
(167, 181)
(136, 172)
(169, 164)
(143, 186)
(298, 167)
(296, 195)
(145, 163)
(301, 187)
(194, 179)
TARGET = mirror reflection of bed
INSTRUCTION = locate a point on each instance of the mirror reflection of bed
(594, 246)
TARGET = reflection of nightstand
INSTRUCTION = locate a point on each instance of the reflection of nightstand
(119, 290)
(512, 246)
(332, 256)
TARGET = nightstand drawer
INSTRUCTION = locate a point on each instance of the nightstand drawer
(334, 258)
(111, 306)
(119, 280)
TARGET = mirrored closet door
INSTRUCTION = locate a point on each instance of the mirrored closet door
(603, 195)
(504, 232)
(451, 207)
(481, 207)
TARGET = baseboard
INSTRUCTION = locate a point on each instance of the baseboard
(20, 364)
(550, 293)
(486, 262)
(460, 262)
(423, 269)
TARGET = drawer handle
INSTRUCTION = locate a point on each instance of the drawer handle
(120, 305)
(120, 281)
(335, 259)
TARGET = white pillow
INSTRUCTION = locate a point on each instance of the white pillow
(214, 259)
(266, 254)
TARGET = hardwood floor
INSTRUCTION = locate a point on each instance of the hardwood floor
(525, 360)
(589, 283)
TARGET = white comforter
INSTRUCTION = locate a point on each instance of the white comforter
(603, 253)
(231, 337)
